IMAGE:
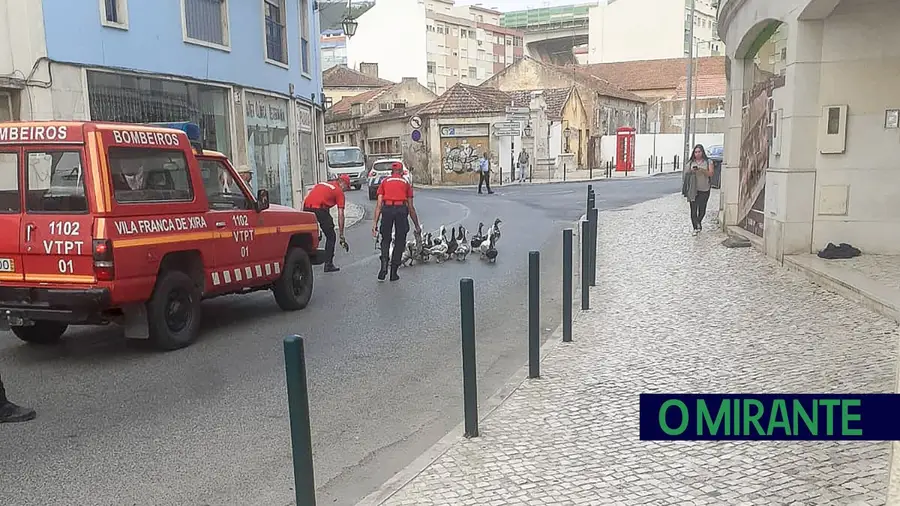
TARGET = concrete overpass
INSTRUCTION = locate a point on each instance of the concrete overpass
(551, 32)
(555, 45)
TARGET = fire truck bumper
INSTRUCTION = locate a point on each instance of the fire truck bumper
(19, 305)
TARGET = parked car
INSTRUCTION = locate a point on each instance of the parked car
(716, 154)
(347, 160)
(381, 169)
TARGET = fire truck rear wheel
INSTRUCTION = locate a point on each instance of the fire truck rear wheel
(294, 288)
(173, 312)
(42, 332)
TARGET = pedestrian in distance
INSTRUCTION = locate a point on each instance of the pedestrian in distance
(394, 207)
(523, 164)
(696, 185)
(9, 412)
(321, 198)
(484, 173)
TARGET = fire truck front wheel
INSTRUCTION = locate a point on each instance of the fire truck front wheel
(294, 288)
(173, 312)
(42, 332)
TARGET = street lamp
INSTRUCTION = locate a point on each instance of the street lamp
(349, 24)
(528, 131)
(567, 132)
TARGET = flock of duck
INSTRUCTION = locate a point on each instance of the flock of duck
(438, 247)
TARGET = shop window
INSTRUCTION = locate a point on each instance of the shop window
(276, 49)
(206, 22)
(55, 182)
(9, 183)
(114, 13)
(125, 98)
(149, 175)
(268, 147)
(305, 58)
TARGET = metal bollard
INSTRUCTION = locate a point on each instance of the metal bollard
(534, 314)
(593, 218)
(649, 164)
(470, 387)
(567, 285)
(585, 265)
(298, 409)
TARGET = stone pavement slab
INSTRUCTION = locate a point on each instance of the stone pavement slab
(675, 313)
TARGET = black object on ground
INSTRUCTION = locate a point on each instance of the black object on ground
(841, 251)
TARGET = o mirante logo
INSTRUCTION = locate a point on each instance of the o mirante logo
(769, 417)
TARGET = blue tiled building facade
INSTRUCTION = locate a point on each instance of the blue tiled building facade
(248, 71)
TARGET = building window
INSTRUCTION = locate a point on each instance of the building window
(114, 13)
(462, 33)
(275, 31)
(304, 36)
(473, 73)
(389, 146)
(206, 22)
(431, 67)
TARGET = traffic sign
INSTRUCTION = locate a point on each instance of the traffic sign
(416, 135)
(507, 132)
(509, 125)
(518, 110)
(415, 122)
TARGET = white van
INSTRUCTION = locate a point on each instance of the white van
(347, 160)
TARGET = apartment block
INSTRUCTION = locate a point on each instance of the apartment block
(632, 30)
(436, 41)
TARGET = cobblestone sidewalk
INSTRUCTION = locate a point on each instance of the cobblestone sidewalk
(676, 313)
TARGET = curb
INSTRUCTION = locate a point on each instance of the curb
(402, 478)
(540, 182)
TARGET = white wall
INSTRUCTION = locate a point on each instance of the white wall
(864, 77)
(22, 44)
(666, 146)
(399, 52)
(630, 30)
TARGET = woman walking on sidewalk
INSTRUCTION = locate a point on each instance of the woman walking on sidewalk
(696, 184)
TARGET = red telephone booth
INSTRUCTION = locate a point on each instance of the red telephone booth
(625, 149)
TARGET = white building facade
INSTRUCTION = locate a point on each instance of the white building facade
(629, 30)
(441, 44)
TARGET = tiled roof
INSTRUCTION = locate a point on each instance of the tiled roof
(340, 76)
(645, 75)
(403, 112)
(463, 99)
(705, 87)
(556, 99)
(346, 104)
(599, 84)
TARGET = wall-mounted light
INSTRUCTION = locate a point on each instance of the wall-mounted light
(528, 131)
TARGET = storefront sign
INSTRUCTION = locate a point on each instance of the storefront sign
(465, 130)
(268, 111)
(304, 118)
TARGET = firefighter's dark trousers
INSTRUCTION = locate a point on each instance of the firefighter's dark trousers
(396, 219)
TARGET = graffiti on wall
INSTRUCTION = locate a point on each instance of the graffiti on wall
(461, 154)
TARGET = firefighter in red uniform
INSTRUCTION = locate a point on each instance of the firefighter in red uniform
(394, 207)
(319, 201)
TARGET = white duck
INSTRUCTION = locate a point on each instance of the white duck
(464, 248)
(494, 232)
(487, 250)
(440, 248)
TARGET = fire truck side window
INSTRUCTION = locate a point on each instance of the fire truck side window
(149, 175)
(222, 191)
(55, 182)
(9, 182)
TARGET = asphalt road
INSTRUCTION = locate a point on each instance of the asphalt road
(119, 424)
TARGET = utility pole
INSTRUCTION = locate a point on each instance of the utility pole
(690, 87)
(694, 101)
